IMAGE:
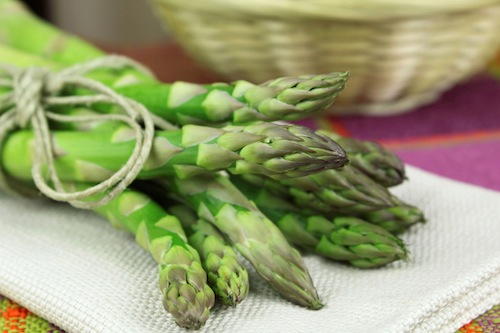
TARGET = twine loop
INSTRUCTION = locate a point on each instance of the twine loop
(28, 91)
(32, 93)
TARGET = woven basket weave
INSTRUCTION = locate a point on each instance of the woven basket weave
(401, 54)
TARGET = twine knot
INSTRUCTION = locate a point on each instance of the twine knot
(29, 86)
(34, 91)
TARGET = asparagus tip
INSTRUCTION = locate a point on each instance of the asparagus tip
(316, 305)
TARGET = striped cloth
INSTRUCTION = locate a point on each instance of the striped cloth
(16, 319)
(457, 137)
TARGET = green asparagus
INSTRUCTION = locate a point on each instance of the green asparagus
(288, 98)
(397, 218)
(23, 30)
(240, 102)
(182, 279)
(263, 148)
(342, 238)
(342, 191)
(227, 276)
(371, 158)
(251, 233)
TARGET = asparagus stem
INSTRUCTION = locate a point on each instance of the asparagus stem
(341, 191)
(263, 148)
(240, 102)
(342, 238)
(344, 191)
(371, 158)
(396, 218)
(251, 233)
(227, 276)
(182, 280)
(23, 30)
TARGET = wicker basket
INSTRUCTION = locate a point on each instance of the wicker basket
(401, 54)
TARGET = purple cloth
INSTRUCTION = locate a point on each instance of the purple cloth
(466, 108)
(472, 163)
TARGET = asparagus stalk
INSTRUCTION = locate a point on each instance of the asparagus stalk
(371, 158)
(251, 233)
(23, 30)
(347, 239)
(343, 191)
(288, 98)
(262, 148)
(342, 238)
(227, 276)
(397, 218)
(182, 279)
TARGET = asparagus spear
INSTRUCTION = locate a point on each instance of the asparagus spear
(251, 233)
(21, 29)
(342, 191)
(372, 159)
(226, 275)
(342, 238)
(348, 239)
(397, 218)
(288, 98)
(182, 279)
(263, 148)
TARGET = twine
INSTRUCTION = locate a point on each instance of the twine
(35, 90)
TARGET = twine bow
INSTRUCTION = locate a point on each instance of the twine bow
(34, 90)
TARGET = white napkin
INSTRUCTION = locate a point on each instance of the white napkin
(75, 270)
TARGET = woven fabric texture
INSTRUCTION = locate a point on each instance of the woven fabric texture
(486, 323)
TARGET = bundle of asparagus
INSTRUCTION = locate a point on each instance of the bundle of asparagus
(219, 174)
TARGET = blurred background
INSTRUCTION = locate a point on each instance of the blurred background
(401, 56)
(111, 22)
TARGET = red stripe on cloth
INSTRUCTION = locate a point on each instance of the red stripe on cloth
(441, 140)
(337, 126)
(15, 317)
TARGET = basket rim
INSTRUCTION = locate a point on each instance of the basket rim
(366, 10)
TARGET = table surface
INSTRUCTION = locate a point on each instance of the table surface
(458, 136)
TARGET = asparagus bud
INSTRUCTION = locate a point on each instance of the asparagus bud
(396, 218)
(371, 158)
(226, 275)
